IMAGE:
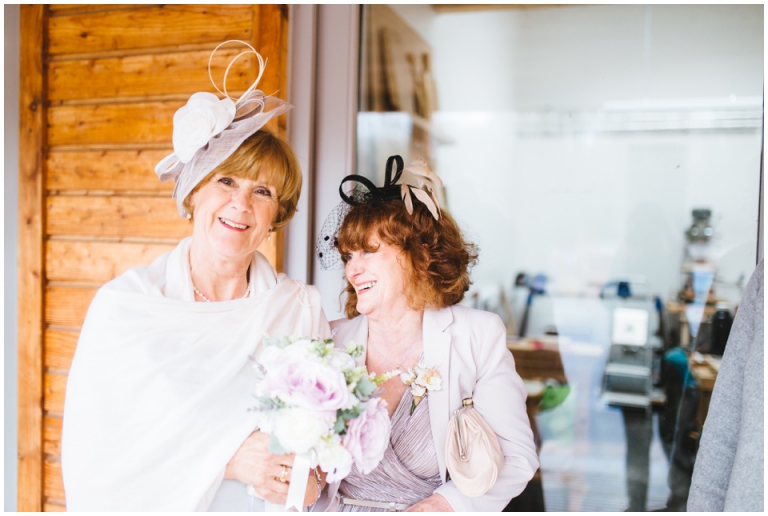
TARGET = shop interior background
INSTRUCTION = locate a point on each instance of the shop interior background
(588, 134)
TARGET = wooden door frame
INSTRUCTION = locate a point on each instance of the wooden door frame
(31, 257)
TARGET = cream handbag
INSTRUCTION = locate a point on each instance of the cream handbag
(472, 452)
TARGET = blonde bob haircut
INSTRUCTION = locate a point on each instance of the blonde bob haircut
(262, 156)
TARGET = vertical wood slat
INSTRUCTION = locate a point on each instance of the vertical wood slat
(55, 387)
(284, 62)
(31, 260)
(270, 38)
(283, 120)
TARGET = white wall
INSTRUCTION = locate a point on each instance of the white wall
(11, 18)
(545, 173)
(578, 57)
(585, 208)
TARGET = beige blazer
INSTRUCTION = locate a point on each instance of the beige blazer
(468, 347)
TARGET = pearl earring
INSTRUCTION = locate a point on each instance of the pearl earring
(189, 216)
(269, 235)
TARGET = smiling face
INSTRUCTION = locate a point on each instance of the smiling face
(378, 277)
(232, 215)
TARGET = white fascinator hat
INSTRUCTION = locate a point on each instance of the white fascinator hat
(207, 130)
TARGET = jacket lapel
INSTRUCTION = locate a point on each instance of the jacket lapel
(437, 354)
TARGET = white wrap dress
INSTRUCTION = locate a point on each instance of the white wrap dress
(160, 387)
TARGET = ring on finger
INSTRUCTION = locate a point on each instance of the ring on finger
(284, 475)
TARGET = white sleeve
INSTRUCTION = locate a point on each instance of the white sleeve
(499, 396)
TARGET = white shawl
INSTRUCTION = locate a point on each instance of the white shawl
(160, 386)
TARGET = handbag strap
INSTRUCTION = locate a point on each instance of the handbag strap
(461, 438)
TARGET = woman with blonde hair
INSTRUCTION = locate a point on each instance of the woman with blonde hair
(157, 413)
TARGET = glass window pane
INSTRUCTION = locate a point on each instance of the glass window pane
(606, 160)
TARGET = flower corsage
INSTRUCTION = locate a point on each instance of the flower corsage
(421, 379)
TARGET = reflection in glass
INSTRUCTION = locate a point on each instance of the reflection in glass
(606, 160)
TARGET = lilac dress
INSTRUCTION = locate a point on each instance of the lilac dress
(408, 473)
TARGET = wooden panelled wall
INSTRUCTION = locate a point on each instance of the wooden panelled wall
(100, 84)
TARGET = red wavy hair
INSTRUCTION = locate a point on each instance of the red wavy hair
(437, 258)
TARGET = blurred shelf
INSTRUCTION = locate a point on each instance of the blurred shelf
(627, 399)
(635, 371)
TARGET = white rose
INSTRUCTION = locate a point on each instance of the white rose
(265, 421)
(298, 430)
(271, 356)
(302, 349)
(341, 361)
(334, 459)
(204, 116)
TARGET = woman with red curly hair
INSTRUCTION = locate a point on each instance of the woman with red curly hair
(407, 268)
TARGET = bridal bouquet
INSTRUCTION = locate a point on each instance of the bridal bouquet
(316, 402)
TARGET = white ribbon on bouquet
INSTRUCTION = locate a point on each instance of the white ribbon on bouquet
(297, 488)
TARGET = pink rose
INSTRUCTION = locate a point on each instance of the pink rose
(307, 384)
(367, 436)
